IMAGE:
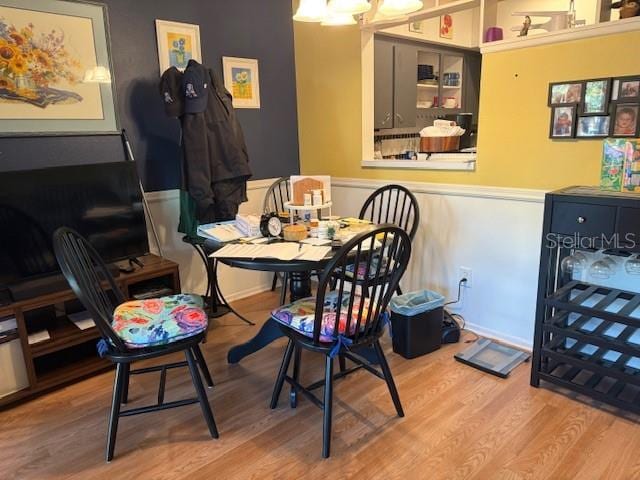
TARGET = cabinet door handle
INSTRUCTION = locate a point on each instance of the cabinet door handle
(581, 220)
(386, 119)
(400, 117)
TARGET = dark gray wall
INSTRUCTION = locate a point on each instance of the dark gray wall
(259, 29)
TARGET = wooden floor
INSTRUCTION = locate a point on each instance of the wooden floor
(460, 423)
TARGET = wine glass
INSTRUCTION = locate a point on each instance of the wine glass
(632, 265)
(574, 264)
(601, 269)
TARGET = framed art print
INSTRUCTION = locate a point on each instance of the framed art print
(177, 44)
(55, 68)
(242, 79)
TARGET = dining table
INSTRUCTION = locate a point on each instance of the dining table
(299, 273)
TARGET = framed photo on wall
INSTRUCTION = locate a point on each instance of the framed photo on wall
(625, 120)
(177, 44)
(595, 97)
(242, 79)
(55, 69)
(563, 122)
(593, 126)
(628, 89)
(565, 93)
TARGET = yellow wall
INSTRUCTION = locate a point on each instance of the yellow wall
(514, 148)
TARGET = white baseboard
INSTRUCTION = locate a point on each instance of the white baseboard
(502, 337)
(248, 292)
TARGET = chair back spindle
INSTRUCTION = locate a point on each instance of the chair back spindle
(90, 280)
(384, 252)
(277, 195)
(393, 204)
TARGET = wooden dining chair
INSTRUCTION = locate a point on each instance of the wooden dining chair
(392, 204)
(339, 321)
(277, 195)
(135, 330)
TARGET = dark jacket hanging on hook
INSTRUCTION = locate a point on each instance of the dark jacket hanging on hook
(216, 162)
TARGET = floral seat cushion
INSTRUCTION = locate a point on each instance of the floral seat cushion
(300, 315)
(159, 321)
(371, 272)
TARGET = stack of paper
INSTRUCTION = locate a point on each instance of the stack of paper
(249, 225)
(82, 320)
(281, 251)
(37, 337)
(220, 232)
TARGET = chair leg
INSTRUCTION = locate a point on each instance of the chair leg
(274, 282)
(388, 378)
(328, 404)
(293, 396)
(197, 353)
(115, 410)
(281, 374)
(125, 383)
(285, 288)
(399, 290)
(202, 394)
(343, 363)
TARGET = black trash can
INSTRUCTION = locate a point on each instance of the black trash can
(416, 323)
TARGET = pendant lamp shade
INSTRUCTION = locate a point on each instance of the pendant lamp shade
(351, 7)
(338, 19)
(394, 8)
(311, 11)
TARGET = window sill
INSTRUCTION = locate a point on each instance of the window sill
(464, 165)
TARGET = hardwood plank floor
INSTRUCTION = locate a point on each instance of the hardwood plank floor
(460, 424)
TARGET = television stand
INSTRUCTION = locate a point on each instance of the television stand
(70, 352)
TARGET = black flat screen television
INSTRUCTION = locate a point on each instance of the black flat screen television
(101, 201)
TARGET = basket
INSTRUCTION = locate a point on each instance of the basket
(294, 233)
(439, 144)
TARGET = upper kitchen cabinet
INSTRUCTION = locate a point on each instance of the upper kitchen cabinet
(395, 94)
(417, 82)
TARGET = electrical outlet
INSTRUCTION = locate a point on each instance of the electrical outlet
(465, 272)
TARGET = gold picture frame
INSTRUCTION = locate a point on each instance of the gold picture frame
(55, 69)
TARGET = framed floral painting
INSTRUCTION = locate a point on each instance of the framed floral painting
(241, 78)
(55, 68)
(177, 44)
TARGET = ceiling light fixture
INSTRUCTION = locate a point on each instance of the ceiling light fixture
(311, 11)
(395, 8)
(351, 7)
(334, 19)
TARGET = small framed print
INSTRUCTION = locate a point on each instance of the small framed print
(565, 93)
(625, 120)
(628, 89)
(177, 44)
(593, 126)
(416, 27)
(563, 122)
(595, 97)
(241, 78)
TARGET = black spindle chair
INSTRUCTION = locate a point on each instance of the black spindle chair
(338, 319)
(277, 195)
(393, 204)
(96, 288)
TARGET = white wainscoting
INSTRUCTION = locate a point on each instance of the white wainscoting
(494, 231)
(235, 283)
